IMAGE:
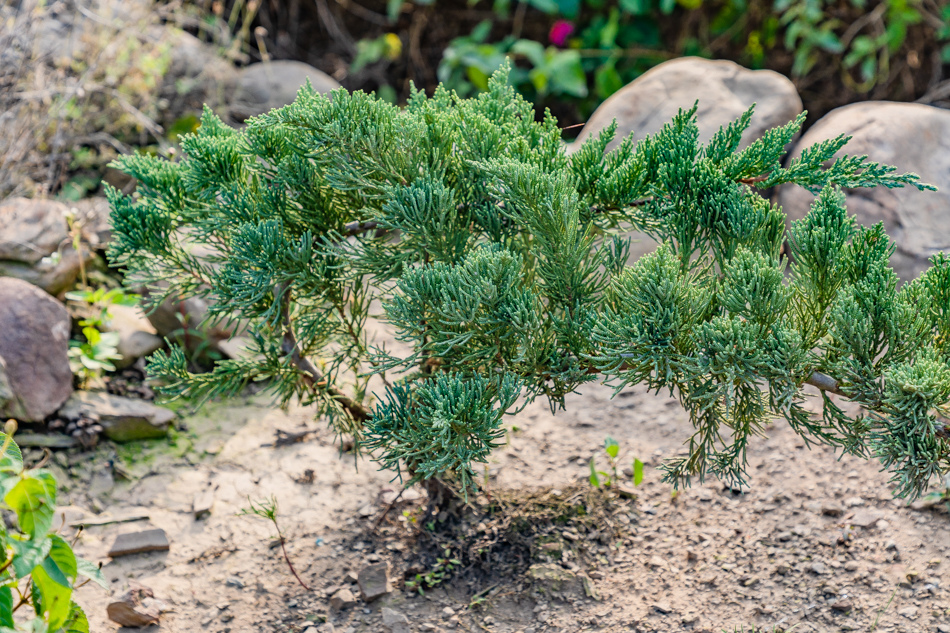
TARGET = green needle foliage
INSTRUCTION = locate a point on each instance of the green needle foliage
(502, 266)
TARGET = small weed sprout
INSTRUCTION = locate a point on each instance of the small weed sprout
(267, 509)
(600, 478)
(443, 568)
(941, 496)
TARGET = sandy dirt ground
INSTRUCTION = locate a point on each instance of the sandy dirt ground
(817, 543)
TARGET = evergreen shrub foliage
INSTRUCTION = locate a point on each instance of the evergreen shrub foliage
(501, 263)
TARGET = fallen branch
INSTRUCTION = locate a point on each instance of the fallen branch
(100, 522)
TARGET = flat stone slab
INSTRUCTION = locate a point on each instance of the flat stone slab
(374, 581)
(52, 440)
(864, 519)
(122, 419)
(139, 542)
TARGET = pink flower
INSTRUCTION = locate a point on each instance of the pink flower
(560, 31)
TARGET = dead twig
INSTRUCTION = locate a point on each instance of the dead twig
(100, 522)
(386, 510)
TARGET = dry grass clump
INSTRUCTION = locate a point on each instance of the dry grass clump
(79, 83)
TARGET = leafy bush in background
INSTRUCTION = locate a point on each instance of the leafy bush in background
(72, 106)
(588, 49)
(38, 569)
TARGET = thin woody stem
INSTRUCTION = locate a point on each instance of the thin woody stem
(311, 375)
(355, 228)
(824, 382)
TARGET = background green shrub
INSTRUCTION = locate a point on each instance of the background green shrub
(882, 49)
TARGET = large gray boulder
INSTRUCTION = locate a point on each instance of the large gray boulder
(267, 85)
(724, 91)
(137, 336)
(122, 419)
(723, 88)
(196, 76)
(912, 137)
(34, 344)
(35, 245)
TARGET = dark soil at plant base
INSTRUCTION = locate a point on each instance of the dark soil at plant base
(784, 553)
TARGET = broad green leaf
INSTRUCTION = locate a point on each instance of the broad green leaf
(60, 563)
(392, 9)
(637, 472)
(77, 622)
(28, 554)
(594, 479)
(91, 571)
(568, 8)
(36, 625)
(93, 336)
(6, 607)
(607, 80)
(33, 499)
(545, 6)
(51, 599)
(567, 74)
(611, 447)
(608, 34)
(635, 7)
(481, 31)
(534, 51)
(478, 78)
(539, 79)
(11, 461)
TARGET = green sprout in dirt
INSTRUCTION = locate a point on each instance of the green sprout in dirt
(267, 509)
(443, 568)
(941, 496)
(501, 264)
(600, 478)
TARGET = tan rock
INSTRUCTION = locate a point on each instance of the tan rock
(912, 137)
(34, 341)
(723, 88)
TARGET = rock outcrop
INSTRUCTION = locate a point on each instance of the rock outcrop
(912, 137)
(723, 89)
(267, 85)
(34, 341)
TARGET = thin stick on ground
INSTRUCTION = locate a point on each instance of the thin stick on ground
(386, 510)
(267, 509)
(881, 612)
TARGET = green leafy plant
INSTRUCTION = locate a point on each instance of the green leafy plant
(38, 569)
(611, 44)
(600, 478)
(90, 358)
(92, 355)
(443, 568)
(501, 266)
(267, 509)
(469, 61)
